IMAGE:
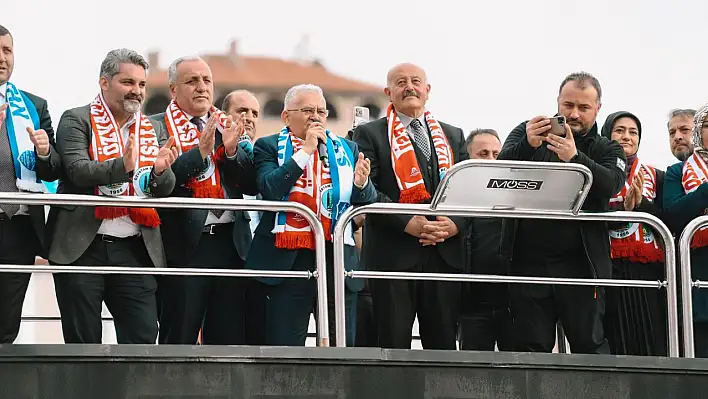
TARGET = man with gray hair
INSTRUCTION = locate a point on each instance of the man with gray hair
(27, 159)
(211, 164)
(680, 126)
(290, 167)
(109, 148)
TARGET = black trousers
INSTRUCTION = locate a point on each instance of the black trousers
(396, 303)
(213, 304)
(483, 326)
(18, 245)
(537, 308)
(366, 331)
(130, 298)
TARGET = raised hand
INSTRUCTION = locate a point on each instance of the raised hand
(206, 139)
(40, 139)
(165, 157)
(361, 171)
(129, 154)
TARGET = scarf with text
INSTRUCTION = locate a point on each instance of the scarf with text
(21, 114)
(325, 190)
(208, 183)
(695, 173)
(405, 165)
(635, 241)
(106, 144)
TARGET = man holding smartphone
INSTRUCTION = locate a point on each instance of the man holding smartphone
(564, 248)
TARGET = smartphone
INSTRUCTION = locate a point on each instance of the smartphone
(361, 116)
(558, 125)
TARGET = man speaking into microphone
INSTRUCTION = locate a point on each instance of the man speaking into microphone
(289, 167)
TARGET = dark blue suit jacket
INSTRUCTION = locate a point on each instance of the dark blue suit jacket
(274, 182)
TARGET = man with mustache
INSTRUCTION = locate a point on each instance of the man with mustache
(27, 158)
(564, 248)
(211, 164)
(109, 148)
(680, 126)
(410, 151)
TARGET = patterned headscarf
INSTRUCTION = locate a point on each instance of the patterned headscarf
(697, 138)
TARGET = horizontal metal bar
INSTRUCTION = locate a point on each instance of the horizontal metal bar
(150, 202)
(471, 211)
(166, 271)
(203, 203)
(485, 278)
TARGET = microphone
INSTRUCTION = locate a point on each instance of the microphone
(322, 149)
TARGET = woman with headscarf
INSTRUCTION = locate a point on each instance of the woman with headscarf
(686, 198)
(635, 318)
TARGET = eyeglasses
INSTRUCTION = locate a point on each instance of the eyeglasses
(309, 111)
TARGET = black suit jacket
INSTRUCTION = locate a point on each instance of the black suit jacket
(74, 228)
(275, 182)
(182, 228)
(47, 170)
(386, 244)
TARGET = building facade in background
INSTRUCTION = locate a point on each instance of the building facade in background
(269, 79)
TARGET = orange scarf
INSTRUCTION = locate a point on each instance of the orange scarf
(635, 241)
(208, 183)
(106, 144)
(695, 173)
(405, 165)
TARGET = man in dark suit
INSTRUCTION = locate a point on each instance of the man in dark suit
(26, 129)
(423, 149)
(244, 104)
(289, 168)
(211, 164)
(110, 148)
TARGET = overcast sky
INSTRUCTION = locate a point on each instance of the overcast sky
(490, 63)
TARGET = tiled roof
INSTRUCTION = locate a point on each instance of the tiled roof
(235, 70)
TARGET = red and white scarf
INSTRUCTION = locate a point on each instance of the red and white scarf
(208, 183)
(695, 173)
(635, 241)
(405, 164)
(106, 144)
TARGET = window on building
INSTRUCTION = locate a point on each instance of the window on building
(273, 108)
(333, 114)
(156, 104)
(374, 111)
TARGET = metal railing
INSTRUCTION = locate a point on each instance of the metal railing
(340, 273)
(187, 203)
(687, 283)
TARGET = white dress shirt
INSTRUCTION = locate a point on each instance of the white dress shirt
(123, 226)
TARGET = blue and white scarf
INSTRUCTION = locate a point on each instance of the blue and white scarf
(21, 114)
(326, 191)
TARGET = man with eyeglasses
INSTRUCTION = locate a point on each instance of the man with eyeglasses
(290, 167)
(211, 164)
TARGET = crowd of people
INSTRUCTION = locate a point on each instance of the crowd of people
(193, 149)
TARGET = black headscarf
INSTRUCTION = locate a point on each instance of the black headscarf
(610, 124)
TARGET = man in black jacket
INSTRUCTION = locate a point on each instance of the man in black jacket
(28, 156)
(423, 149)
(564, 248)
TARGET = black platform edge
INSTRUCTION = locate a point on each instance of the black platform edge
(345, 356)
